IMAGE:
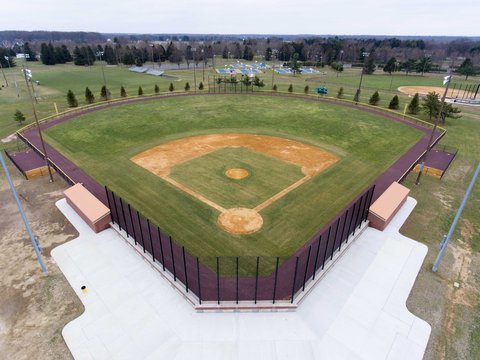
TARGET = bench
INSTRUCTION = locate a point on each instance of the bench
(88, 207)
(383, 210)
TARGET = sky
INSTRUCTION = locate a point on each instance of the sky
(339, 17)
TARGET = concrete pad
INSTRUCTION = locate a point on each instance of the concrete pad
(357, 311)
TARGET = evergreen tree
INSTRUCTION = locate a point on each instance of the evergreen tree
(71, 99)
(171, 87)
(467, 68)
(29, 54)
(200, 86)
(66, 54)
(109, 55)
(47, 54)
(414, 105)
(257, 82)
(369, 67)
(275, 88)
(247, 53)
(374, 99)
(431, 104)
(18, 116)
(187, 86)
(140, 91)
(123, 93)
(290, 88)
(225, 53)
(157, 89)
(296, 69)
(104, 93)
(306, 89)
(390, 65)
(423, 65)
(268, 54)
(340, 93)
(128, 57)
(89, 97)
(394, 103)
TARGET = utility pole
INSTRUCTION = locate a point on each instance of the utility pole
(447, 80)
(447, 237)
(33, 239)
(38, 125)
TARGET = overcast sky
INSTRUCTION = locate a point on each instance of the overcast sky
(356, 17)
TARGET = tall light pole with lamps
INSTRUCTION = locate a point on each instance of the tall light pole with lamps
(446, 82)
(194, 50)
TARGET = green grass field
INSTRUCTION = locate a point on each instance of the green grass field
(206, 175)
(103, 142)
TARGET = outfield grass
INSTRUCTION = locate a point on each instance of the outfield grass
(56, 80)
(103, 142)
(206, 175)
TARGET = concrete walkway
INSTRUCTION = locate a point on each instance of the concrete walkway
(357, 311)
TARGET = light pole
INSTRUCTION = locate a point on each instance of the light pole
(99, 54)
(45, 156)
(203, 60)
(448, 78)
(391, 75)
(33, 238)
(194, 50)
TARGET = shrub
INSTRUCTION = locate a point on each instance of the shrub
(71, 99)
(89, 97)
(306, 89)
(140, 91)
(187, 86)
(374, 99)
(171, 87)
(290, 88)
(394, 103)
(123, 93)
(340, 93)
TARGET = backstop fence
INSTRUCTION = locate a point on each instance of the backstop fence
(234, 279)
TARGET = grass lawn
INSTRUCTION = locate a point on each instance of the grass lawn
(206, 175)
(103, 142)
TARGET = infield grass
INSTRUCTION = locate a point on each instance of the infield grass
(266, 176)
(103, 142)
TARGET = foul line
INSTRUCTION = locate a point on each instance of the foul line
(194, 194)
(281, 194)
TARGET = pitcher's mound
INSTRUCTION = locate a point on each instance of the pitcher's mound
(240, 221)
(236, 173)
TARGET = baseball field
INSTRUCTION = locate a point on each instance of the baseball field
(231, 175)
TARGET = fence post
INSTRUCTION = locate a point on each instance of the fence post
(256, 280)
(294, 278)
(133, 225)
(316, 257)
(161, 247)
(151, 242)
(275, 282)
(123, 215)
(306, 267)
(335, 239)
(360, 208)
(343, 230)
(237, 280)
(116, 211)
(326, 247)
(198, 279)
(108, 201)
(350, 223)
(369, 202)
(173, 260)
(141, 231)
(218, 281)
(185, 269)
